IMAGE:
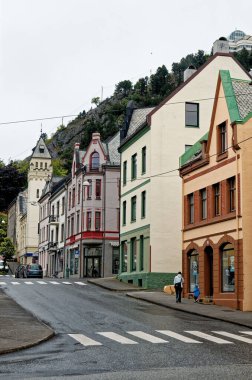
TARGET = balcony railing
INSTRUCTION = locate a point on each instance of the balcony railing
(53, 219)
(52, 245)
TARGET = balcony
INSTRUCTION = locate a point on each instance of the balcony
(52, 246)
(53, 219)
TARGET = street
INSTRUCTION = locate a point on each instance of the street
(106, 335)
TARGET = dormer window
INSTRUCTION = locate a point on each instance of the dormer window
(41, 149)
(95, 160)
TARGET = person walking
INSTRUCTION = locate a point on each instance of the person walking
(178, 284)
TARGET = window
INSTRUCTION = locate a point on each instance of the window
(231, 193)
(68, 227)
(69, 199)
(133, 253)
(98, 188)
(63, 206)
(228, 268)
(89, 220)
(73, 200)
(191, 208)
(133, 209)
(194, 269)
(52, 210)
(97, 221)
(57, 207)
(89, 189)
(72, 225)
(95, 160)
(62, 232)
(203, 198)
(36, 164)
(216, 193)
(41, 149)
(134, 166)
(222, 138)
(79, 193)
(124, 213)
(45, 165)
(37, 193)
(124, 256)
(78, 222)
(192, 115)
(143, 204)
(124, 173)
(41, 165)
(144, 160)
(141, 258)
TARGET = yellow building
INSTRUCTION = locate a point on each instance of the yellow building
(217, 200)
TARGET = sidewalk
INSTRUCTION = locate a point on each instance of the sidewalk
(160, 298)
(18, 328)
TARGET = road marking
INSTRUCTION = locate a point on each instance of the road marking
(116, 337)
(148, 337)
(2, 283)
(234, 336)
(178, 336)
(54, 282)
(80, 283)
(15, 283)
(28, 283)
(67, 283)
(42, 282)
(84, 340)
(246, 332)
(211, 338)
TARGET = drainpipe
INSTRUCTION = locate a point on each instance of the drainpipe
(238, 234)
(104, 221)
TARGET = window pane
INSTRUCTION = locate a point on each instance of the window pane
(192, 114)
(194, 269)
(228, 269)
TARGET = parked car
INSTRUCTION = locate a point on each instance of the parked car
(19, 271)
(3, 268)
(32, 270)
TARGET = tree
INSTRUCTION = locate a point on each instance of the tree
(7, 249)
(58, 168)
(123, 88)
(96, 101)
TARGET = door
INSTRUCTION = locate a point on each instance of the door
(209, 271)
(92, 267)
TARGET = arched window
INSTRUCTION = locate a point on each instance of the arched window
(95, 160)
(193, 261)
(227, 268)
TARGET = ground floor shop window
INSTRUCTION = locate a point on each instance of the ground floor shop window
(194, 269)
(124, 256)
(115, 260)
(228, 268)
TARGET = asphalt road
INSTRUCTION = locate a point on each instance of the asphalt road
(106, 335)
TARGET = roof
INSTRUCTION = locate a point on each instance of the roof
(40, 150)
(238, 94)
(110, 147)
(194, 152)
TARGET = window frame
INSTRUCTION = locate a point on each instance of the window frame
(143, 204)
(203, 203)
(124, 213)
(133, 166)
(190, 125)
(232, 194)
(144, 160)
(124, 173)
(133, 208)
(216, 199)
(191, 208)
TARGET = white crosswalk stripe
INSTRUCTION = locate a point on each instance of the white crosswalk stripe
(79, 283)
(246, 332)
(2, 283)
(15, 283)
(234, 336)
(42, 282)
(211, 338)
(36, 282)
(116, 337)
(148, 337)
(84, 340)
(54, 282)
(28, 283)
(67, 283)
(177, 336)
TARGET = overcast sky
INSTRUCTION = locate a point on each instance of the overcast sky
(55, 55)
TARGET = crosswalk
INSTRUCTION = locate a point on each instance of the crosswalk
(125, 338)
(20, 282)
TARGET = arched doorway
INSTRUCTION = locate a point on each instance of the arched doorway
(208, 275)
(193, 266)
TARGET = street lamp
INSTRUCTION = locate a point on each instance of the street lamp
(85, 184)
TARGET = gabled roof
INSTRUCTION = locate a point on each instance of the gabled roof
(194, 152)
(111, 148)
(40, 150)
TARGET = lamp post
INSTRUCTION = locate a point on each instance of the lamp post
(85, 184)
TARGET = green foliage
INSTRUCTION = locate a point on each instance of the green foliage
(12, 181)
(61, 127)
(3, 226)
(58, 168)
(123, 88)
(95, 100)
(7, 249)
(245, 58)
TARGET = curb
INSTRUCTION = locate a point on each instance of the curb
(190, 312)
(108, 287)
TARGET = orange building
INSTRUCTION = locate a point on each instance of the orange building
(217, 200)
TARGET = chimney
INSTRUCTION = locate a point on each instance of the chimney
(76, 146)
(189, 72)
(96, 136)
(221, 46)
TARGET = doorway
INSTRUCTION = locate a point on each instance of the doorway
(209, 271)
(92, 267)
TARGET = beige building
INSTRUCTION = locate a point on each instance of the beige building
(27, 217)
(217, 199)
(152, 141)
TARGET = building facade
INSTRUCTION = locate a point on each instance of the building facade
(217, 200)
(152, 141)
